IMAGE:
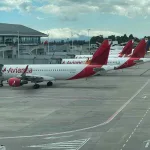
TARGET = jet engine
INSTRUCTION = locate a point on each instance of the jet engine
(16, 82)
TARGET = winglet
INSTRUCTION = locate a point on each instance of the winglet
(140, 50)
(127, 49)
(25, 70)
(100, 57)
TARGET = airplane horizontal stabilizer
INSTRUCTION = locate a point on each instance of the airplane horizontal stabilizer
(138, 61)
(105, 68)
(99, 69)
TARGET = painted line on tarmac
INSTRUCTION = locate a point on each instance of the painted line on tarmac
(88, 128)
(136, 129)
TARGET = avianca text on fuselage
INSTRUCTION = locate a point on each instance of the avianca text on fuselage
(16, 70)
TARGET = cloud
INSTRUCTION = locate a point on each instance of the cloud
(67, 12)
(40, 18)
(64, 33)
(74, 8)
(21, 5)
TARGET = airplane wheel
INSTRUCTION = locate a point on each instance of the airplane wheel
(1, 84)
(49, 83)
(36, 86)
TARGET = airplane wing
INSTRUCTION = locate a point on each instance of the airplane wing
(138, 61)
(33, 77)
(104, 68)
(36, 78)
(24, 72)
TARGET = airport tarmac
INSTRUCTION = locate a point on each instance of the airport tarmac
(104, 112)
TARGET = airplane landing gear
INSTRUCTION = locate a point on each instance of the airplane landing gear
(49, 83)
(36, 86)
(1, 83)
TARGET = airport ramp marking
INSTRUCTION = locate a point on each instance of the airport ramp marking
(66, 145)
(137, 126)
(56, 137)
(87, 128)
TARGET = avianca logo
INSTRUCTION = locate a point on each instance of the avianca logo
(17, 70)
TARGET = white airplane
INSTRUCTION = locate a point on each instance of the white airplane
(127, 49)
(136, 58)
(18, 75)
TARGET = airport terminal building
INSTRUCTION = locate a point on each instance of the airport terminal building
(28, 39)
(9, 34)
(29, 46)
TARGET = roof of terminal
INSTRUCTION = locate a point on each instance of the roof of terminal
(14, 29)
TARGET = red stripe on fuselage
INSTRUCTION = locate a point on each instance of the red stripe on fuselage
(86, 72)
(129, 63)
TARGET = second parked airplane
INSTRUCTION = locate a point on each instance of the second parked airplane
(115, 54)
(137, 57)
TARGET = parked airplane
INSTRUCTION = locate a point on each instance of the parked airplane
(18, 75)
(137, 57)
(125, 52)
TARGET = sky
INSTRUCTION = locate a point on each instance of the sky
(72, 18)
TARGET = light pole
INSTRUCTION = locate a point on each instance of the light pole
(89, 38)
(67, 44)
(48, 43)
(72, 39)
(18, 45)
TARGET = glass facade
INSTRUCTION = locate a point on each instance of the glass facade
(22, 40)
(29, 40)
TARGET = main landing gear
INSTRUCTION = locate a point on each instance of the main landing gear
(36, 86)
(49, 83)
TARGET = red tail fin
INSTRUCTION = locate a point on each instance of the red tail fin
(140, 50)
(127, 49)
(101, 55)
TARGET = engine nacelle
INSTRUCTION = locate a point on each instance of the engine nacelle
(16, 82)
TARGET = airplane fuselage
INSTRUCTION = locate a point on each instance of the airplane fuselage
(119, 62)
(57, 71)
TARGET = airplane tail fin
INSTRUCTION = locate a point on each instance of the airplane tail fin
(101, 55)
(140, 50)
(127, 49)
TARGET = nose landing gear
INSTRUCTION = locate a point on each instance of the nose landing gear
(1, 83)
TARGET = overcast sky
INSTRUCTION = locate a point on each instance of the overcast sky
(60, 17)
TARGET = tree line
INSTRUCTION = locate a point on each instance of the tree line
(121, 39)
